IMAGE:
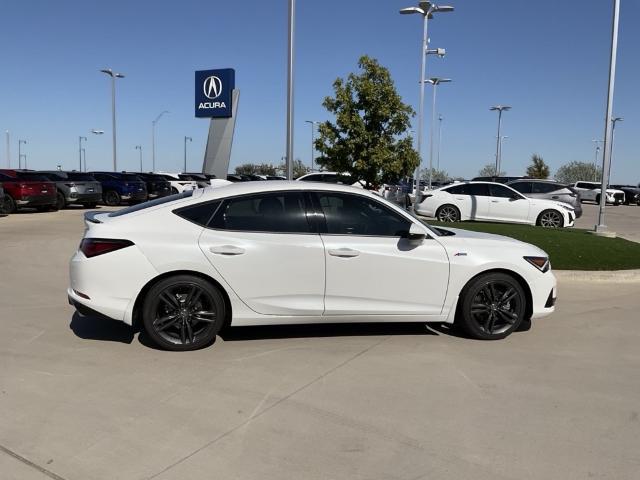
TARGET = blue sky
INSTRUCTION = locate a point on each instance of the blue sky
(550, 65)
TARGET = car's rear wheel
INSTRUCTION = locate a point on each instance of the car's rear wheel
(8, 205)
(448, 213)
(60, 201)
(112, 198)
(550, 219)
(183, 312)
(598, 199)
(492, 306)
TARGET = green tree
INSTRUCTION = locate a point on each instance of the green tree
(537, 169)
(489, 170)
(575, 171)
(368, 139)
(255, 169)
(299, 168)
(436, 175)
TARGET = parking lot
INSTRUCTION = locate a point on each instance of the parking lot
(622, 219)
(83, 398)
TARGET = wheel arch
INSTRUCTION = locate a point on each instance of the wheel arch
(523, 283)
(137, 306)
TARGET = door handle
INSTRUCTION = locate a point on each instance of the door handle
(226, 250)
(495, 201)
(343, 252)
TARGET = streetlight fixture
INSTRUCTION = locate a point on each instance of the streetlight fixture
(613, 136)
(499, 109)
(153, 139)
(185, 152)
(426, 9)
(312, 123)
(601, 228)
(113, 76)
(139, 147)
(435, 81)
(20, 155)
(80, 139)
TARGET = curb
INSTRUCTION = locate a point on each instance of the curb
(614, 276)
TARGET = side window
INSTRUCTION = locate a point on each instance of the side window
(281, 212)
(541, 187)
(500, 191)
(522, 187)
(199, 214)
(358, 215)
(457, 190)
(478, 189)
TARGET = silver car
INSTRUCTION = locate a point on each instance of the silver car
(548, 190)
(75, 187)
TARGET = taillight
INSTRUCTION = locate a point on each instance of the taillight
(92, 247)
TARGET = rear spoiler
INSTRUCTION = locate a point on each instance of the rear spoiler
(91, 216)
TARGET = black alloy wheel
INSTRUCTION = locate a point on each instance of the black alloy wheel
(493, 306)
(8, 205)
(60, 201)
(183, 313)
(112, 198)
(448, 213)
(550, 219)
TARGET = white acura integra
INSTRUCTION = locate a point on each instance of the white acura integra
(281, 252)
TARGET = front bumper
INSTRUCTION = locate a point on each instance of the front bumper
(544, 292)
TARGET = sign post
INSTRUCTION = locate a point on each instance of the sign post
(217, 98)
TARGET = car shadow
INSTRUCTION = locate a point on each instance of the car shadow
(98, 328)
(268, 332)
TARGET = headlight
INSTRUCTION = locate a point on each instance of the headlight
(541, 263)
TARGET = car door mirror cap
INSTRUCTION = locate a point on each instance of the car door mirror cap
(416, 234)
(514, 197)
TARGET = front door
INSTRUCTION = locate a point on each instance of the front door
(371, 268)
(264, 248)
(507, 205)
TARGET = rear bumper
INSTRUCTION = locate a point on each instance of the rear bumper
(85, 198)
(36, 200)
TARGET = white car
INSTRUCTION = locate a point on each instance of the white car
(591, 191)
(262, 253)
(493, 202)
(178, 185)
(330, 177)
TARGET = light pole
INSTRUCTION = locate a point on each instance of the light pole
(440, 118)
(290, 62)
(426, 9)
(139, 147)
(435, 81)
(313, 149)
(185, 152)
(153, 139)
(80, 138)
(613, 136)
(84, 155)
(113, 76)
(20, 142)
(608, 123)
(499, 109)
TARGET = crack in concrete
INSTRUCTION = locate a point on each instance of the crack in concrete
(29, 463)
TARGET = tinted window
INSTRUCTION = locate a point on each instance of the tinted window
(522, 187)
(457, 189)
(151, 203)
(500, 191)
(543, 187)
(200, 214)
(80, 177)
(588, 186)
(478, 189)
(32, 176)
(282, 212)
(357, 215)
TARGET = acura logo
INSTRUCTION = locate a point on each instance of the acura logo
(212, 87)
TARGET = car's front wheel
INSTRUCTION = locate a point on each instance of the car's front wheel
(550, 219)
(8, 205)
(491, 306)
(112, 198)
(183, 312)
(448, 213)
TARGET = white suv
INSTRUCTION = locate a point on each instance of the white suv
(591, 191)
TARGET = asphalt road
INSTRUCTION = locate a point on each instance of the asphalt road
(622, 219)
(87, 399)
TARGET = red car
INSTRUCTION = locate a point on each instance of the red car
(29, 192)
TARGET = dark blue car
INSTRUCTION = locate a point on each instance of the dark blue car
(121, 187)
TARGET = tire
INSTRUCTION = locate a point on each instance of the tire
(60, 201)
(172, 324)
(598, 199)
(9, 205)
(174, 190)
(550, 219)
(448, 213)
(482, 312)
(112, 198)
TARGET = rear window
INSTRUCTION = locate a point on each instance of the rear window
(543, 187)
(80, 177)
(200, 213)
(129, 177)
(151, 203)
(32, 176)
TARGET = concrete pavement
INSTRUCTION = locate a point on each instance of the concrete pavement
(623, 219)
(87, 399)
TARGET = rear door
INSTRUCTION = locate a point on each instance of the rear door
(371, 268)
(507, 205)
(266, 250)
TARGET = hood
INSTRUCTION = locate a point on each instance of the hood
(471, 238)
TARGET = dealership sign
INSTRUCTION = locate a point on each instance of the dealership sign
(214, 90)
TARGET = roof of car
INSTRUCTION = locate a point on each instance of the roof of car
(243, 188)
